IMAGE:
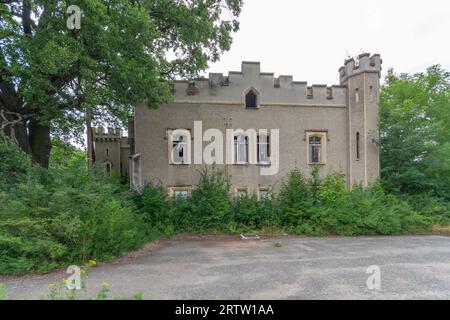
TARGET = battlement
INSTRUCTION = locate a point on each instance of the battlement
(107, 133)
(282, 90)
(362, 63)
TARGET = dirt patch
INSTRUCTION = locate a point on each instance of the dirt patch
(149, 247)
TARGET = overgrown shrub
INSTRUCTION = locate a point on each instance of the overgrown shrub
(63, 216)
(246, 212)
(327, 207)
(294, 199)
(13, 163)
(211, 205)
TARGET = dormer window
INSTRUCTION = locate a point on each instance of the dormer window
(251, 100)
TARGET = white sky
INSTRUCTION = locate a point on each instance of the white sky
(310, 39)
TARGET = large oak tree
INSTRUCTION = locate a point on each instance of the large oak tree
(125, 52)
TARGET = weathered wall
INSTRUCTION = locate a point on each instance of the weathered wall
(290, 106)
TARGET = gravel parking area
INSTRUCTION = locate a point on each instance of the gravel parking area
(412, 267)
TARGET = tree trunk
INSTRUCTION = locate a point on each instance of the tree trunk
(40, 142)
(22, 137)
(89, 139)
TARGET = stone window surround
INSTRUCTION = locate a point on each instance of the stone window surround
(237, 190)
(264, 189)
(258, 97)
(323, 135)
(171, 190)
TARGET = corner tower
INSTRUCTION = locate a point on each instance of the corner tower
(112, 150)
(361, 76)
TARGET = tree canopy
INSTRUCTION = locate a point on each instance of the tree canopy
(415, 132)
(125, 52)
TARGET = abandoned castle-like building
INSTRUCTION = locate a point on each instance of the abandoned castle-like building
(256, 127)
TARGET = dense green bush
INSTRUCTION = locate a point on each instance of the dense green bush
(63, 216)
(310, 206)
(210, 200)
(13, 163)
(327, 207)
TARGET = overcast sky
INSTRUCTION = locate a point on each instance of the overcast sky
(310, 39)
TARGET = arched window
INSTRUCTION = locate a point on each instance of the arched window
(251, 100)
(357, 146)
(108, 168)
(315, 149)
(107, 151)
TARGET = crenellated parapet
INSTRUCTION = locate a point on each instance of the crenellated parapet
(282, 90)
(362, 63)
(107, 134)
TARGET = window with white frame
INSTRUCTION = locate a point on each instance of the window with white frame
(179, 146)
(263, 149)
(316, 147)
(241, 149)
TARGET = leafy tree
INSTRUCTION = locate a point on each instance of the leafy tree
(125, 52)
(415, 132)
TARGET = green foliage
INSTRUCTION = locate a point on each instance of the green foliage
(311, 206)
(13, 163)
(294, 198)
(246, 212)
(126, 52)
(415, 133)
(64, 216)
(210, 200)
(323, 207)
(3, 295)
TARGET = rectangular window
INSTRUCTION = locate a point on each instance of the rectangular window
(241, 192)
(356, 95)
(316, 147)
(241, 149)
(179, 146)
(263, 149)
(371, 94)
(357, 146)
(182, 192)
(264, 193)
